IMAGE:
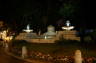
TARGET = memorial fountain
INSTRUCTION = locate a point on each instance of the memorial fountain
(28, 30)
(50, 36)
(68, 26)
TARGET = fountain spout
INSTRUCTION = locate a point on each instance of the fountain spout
(28, 29)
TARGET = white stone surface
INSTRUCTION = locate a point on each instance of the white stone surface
(50, 30)
(24, 52)
(28, 30)
(78, 56)
(68, 26)
(68, 23)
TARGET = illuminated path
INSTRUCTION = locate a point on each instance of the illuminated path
(4, 58)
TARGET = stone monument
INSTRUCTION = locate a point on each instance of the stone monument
(68, 32)
(68, 26)
(27, 34)
(78, 56)
(28, 30)
(24, 52)
(50, 36)
(50, 31)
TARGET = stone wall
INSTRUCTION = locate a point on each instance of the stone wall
(69, 35)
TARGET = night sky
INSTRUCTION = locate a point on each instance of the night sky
(87, 13)
(31, 11)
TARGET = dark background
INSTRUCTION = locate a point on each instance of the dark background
(41, 13)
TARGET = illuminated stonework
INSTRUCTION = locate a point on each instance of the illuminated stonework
(68, 26)
(28, 30)
(50, 31)
(48, 37)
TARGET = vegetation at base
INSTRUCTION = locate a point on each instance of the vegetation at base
(62, 47)
(65, 42)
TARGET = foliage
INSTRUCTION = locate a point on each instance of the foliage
(68, 10)
(87, 39)
(90, 36)
(67, 42)
(19, 43)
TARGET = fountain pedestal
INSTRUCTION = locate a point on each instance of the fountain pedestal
(68, 27)
(28, 30)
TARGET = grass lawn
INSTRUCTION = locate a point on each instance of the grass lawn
(59, 49)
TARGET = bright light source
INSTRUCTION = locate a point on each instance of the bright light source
(28, 30)
(68, 27)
